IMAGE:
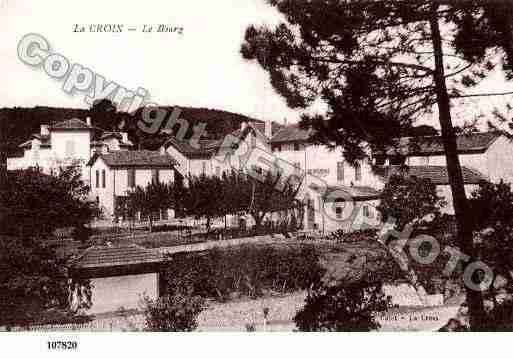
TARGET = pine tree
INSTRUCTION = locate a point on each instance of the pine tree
(379, 66)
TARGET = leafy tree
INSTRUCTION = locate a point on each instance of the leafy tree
(34, 204)
(342, 307)
(104, 114)
(149, 200)
(34, 279)
(266, 193)
(173, 313)
(204, 198)
(484, 26)
(491, 207)
(409, 200)
(36, 284)
(379, 66)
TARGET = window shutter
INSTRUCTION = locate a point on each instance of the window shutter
(131, 177)
(155, 175)
(340, 171)
(103, 178)
(97, 178)
(358, 172)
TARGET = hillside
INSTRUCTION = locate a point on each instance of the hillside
(18, 123)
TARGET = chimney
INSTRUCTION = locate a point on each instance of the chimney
(45, 130)
(88, 121)
(285, 121)
(124, 137)
(243, 126)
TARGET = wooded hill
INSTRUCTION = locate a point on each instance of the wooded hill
(18, 123)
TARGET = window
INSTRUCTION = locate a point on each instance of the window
(70, 148)
(204, 167)
(155, 175)
(97, 179)
(296, 146)
(131, 178)
(310, 203)
(357, 172)
(340, 171)
(366, 212)
(276, 148)
(338, 212)
(103, 178)
(258, 169)
(218, 171)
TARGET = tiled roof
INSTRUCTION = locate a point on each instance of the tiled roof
(72, 124)
(142, 158)
(207, 148)
(292, 133)
(112, 256)
(45, 141)
(469, 143)
(437, 174)
(358, 193)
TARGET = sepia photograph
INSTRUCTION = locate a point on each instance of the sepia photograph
(255, 166)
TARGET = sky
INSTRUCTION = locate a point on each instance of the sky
(202, 67)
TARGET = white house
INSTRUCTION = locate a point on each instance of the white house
(213, 157)
(66, 142)
(489, 153)
(335, 192)
(483, 156)
(113, 174)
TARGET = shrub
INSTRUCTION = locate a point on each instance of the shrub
(500, 317)
(356, 236)
(173, 313)
(248, 270)
(342, 307)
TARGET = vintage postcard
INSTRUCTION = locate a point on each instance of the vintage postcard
(256, 166)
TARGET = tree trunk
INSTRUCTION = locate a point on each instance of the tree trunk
(258, 221)
(465, 238)
(208, 226)
(150, 220)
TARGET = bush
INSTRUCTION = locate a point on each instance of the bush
(173, 313)
(342, 307)
(356, 236)
(248, 270)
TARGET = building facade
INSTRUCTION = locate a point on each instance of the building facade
(67, 142)
(114, 174)
(213, 157)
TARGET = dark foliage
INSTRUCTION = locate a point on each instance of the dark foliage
(500, 317)
(491, 207)
(18, 123)
(354, 236)
(249, 270)
(238, 193)
(33, 204)
(406, 200)
(34, 279)
(342, 307)
(173, 313)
